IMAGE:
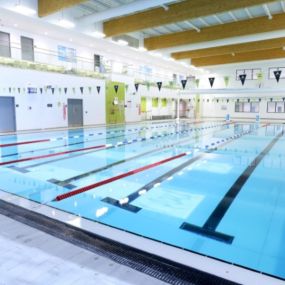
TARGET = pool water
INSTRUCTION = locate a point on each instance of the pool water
(214, 188)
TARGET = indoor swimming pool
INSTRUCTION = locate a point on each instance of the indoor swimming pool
(215, 188)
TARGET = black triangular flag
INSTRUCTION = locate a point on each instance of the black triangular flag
(41, 90)
(98, 89)
(52, 90)
(10, 89)
(65, 90)
(277, 74)
(19, 90)
(184, 82)
(81, 89)
(159, 84)
(211, 80)
(242, 78)
(116, 87)
(137, 86)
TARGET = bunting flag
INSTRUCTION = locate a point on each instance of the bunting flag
(116, 87)
(211, 80)
(81, 89)
(52, 90)
(41, 90)
(277, 74)
(10, 89)
(148, 86)
(98, 89)
(159, 84)
(242, 78)
(65, 90)
(226, 80)
(184, 82)
(197, 81)
(90, 89)
(127, 87)
(73, 90)
(59, 90)
(137, 86)
(19, 90)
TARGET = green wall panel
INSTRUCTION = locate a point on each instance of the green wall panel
(115, 103)
(143, 104)
(154, 102)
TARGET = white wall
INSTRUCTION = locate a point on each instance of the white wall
(33, 112)
(214, 109)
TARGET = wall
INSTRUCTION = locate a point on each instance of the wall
(220, 109)
(32, 111)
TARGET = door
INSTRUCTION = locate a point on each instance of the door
(75, 112)
(7, 114)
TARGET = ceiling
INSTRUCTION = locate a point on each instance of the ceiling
(201, 32)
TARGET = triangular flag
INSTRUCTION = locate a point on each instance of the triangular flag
(90, 89)
(137, 86)
(59, 90)
(41, 90)
(277, 74)
(211, 80)
(184, 82)
(197, 81)
(148, 86)
(10, 89)
(81, 89)
(73, 90)
(159, 84)
(127, 87)
(98, 89)
(52, 90)
(116, 87)
(226, 80)
(19, 90)
(65, 90)
(242, 78)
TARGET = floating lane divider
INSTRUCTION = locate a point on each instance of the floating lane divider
(66, 183)
(126, 174)
(92, 134)
(53, 154)
(114, 178)
(125, 202)
(25, 142)
(108, 146)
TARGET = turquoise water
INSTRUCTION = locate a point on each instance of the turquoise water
(224, 198)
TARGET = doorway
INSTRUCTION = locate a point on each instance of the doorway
(7, 114)
(75, 112)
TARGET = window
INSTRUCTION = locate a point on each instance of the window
(27, 46)
(5, 49)
(66, 54)
(251, 74)
(97, 62)
(275, 107)
(247, 107)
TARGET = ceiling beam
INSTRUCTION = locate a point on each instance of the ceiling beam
(229, 49)
(122, 10)
(217, 32)
(239, 57)
(185, 10)
(47, 7)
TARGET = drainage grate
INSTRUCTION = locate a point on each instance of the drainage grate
(160, 268)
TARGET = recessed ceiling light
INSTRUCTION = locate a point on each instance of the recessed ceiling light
(98, 35)
(24, 10)
(15, 25)
(70, 39)
(122, 43)
(46, 33)
(65, 24)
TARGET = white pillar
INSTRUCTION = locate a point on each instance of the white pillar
(178, 107)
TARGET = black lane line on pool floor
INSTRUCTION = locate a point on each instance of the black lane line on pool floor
(210, 226)
(66, 183)
(155, 266)
(125, 202)
(119, 144)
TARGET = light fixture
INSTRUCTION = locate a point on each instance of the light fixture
(24, 10)
(98, 35)
(122, 43)
(65, 24)
(142, 49)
